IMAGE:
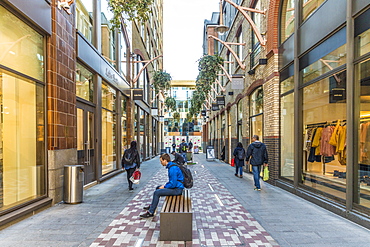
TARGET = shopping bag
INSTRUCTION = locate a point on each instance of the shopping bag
(266, 173)
(232, 162)
(135, 178)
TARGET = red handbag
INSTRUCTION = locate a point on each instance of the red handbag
(135, 178)
(232, 162)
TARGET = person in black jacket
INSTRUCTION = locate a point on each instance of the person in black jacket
(257, 154)
(130, 162)
(178, 158)
(239, 154)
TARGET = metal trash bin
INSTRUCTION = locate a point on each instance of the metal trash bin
(73, 183)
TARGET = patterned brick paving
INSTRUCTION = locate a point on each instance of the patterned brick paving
(218, 218)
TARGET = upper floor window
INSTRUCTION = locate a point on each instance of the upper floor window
(84, 18)
(287, 18)
(309, 6)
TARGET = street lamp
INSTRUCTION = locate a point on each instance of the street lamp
(221, 29)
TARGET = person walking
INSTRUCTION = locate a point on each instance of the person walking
(173, 187)
(130, 162)
(184, 149)
(239, 154)
(178, 158)
(173, 146)
(257, 154)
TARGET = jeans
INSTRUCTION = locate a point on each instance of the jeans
(239, 169)
(184, 155)
(256, 175)
(129, 173)
(162, 192)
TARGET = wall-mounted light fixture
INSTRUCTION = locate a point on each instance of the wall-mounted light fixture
(262, 61)
(65, 4)
(221, 28)
(251, 72)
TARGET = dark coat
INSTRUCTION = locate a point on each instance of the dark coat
(238, 162)
(178, 159)
(257, 153)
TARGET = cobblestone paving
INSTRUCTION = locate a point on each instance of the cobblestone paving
(218, 218)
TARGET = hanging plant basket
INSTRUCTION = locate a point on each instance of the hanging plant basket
(170, 102)
(176, 117)
(161, 81)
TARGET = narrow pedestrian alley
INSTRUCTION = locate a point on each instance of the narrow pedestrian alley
(226, 212)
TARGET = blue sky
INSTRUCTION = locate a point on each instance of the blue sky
(183, 35)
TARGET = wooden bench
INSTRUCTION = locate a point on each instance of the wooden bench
(176, 218)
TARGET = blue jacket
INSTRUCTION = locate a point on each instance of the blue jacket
(258, 152)
(175, 177)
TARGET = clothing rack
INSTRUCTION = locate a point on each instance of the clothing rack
(324, 124)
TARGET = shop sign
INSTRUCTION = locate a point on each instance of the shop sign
(237, 82)
(138, 94)
(215, 107)
(220, 100)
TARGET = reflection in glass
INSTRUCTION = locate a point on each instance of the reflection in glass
(324, 159)
(84, 83)
(309, 6)
(22, 143)
(84, 18)
(108, 142)
(362, 43)
(287, 136)
(108, 97)
(363, 76)
(257, 101)
(325, 64)
(108, 37)
(287, 20)
(21, 47)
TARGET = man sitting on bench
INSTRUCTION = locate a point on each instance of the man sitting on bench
(173, 187)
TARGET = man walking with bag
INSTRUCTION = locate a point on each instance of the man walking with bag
(257, 154)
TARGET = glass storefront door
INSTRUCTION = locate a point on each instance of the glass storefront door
(85, 141)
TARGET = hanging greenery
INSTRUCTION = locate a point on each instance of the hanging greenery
(134, 9)
(189, 117)
(170, 102)
(161, 81)
(208, 67)
(176, 117)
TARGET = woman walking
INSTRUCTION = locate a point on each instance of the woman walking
(131, 162)
(239, 154)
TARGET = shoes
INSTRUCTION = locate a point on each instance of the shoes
(131, 190)
(241, 176)
(236, 175)
(257, 189)
(146, 208)
(147, 215)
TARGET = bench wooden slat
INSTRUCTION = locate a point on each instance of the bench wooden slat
(181, 208)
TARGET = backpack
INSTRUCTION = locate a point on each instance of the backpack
(128, 157)
(183, 147)
(240, 154)
(188, 177)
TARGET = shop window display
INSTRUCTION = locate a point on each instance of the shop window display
(324, 118)
(363, 75)
(287, 136)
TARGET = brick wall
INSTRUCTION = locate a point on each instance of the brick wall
(61, 100)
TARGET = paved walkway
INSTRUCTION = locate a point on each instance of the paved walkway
(226, 212)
